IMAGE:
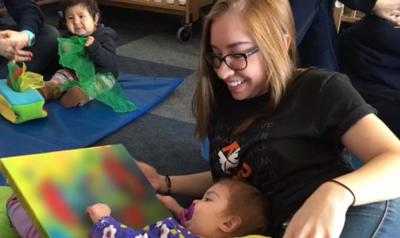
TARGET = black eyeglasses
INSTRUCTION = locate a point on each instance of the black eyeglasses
(237, 61)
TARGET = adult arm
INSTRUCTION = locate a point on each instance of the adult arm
(192, 184)
(323, 213)
(26, 14)
(372, 142)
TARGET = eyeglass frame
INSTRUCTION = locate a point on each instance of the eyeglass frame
(211, 56)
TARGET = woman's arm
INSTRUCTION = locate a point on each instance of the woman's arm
(323, 213)
(372, 142)
(191, 184)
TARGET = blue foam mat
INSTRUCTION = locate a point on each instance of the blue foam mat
(82, 126)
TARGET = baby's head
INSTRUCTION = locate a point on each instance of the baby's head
(81, 17)
(229, 208)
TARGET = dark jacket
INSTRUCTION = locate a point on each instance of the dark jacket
(315, 30)
(26, 13)
(103, 50)
(370, 55)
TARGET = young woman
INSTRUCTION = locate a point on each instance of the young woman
(286, 130)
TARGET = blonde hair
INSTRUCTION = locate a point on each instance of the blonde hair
(269, 22)
(250, 205)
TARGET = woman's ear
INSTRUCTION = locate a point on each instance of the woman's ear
(230, 224)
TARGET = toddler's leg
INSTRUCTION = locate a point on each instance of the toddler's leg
(74, 97)
(20, 219)
(51, 89)
(77, 97)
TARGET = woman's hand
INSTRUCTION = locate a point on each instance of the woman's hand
(98, 211)
(322, 214)
(156, 180)
(171, 204)
(388, 10)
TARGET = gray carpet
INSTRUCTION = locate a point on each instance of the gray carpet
(148, 46)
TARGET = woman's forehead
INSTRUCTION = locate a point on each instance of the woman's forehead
(228, 32)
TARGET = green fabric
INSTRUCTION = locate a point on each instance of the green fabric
(5, 229)
(21, 80)
(72, 52)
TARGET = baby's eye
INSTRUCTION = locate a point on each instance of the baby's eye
(206, 199)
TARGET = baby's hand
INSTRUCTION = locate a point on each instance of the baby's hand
(171, 204)
(98, 211)
(89, 41)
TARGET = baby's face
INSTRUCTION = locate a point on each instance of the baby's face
(79, 21)
(204, 216)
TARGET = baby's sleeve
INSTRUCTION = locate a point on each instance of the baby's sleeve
(109, 227)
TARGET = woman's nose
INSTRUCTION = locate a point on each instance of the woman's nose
(224, 71)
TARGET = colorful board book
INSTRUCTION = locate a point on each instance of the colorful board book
(56, 188)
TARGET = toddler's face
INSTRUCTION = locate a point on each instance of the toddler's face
(204, 216)
(79, 21)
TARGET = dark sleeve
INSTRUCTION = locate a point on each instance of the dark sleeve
(103, 53)
(340, 107)
(26, 14)
(362, 5)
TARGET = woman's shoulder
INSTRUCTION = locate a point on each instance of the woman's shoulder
(318, 77)
(314, 73)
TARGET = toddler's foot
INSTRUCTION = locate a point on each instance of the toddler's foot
(50, 90)
(74, 97)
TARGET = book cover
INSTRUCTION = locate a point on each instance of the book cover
(56, 188)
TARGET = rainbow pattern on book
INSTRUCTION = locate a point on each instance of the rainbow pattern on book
(56, 188)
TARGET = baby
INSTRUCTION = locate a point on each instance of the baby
(229, 208)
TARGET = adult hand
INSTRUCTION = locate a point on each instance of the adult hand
(388, 10)
(156, 180)
(12, 44)
(19, 39)
(22, 55)
(6, 48)
(171, 204)
(322, 215)
(89, 41)
(98, 211)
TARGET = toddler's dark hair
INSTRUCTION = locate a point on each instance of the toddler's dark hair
(91, 5)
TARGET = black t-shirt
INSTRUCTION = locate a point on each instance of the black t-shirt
(290, 153)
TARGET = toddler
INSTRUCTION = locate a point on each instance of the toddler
(229, 208)
(75, 84)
